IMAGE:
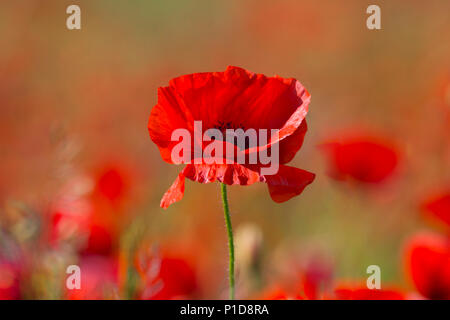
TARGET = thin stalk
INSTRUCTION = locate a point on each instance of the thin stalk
(226, 210)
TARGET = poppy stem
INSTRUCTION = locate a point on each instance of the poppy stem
(226, 210)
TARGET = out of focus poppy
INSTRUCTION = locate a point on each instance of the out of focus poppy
(439, 207)
(99, 279)
(9, 282)
(234, 99)
(363, 293)
(275, 293)
(311, 279)
(361, 158)
(112, 183)
(315, 280)
(82, 228)
(165, 277)
(95, 216)
(428, 265)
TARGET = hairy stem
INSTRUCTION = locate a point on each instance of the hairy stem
(226, 211)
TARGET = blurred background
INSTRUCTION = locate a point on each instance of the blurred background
(81, 181)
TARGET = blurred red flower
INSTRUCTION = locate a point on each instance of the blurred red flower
(275, 293)
(100, 240)
(99, 279)
(315, 280)
(341, 292)
(363, 293)
(165, 276)
(93, 216)
(439, 207)
(234, 99)
(111, 184)
(364, 159)
(307, 277)
(111, 192)
(428, 265)
(83, 227)
(9, 282)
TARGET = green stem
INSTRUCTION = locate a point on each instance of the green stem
(226, 211)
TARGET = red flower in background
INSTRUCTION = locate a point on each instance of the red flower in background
(344, 292)
(308, 276)
(99, 279)
(275, 293)
(111, 184)
(439, 207)
(165, 276)
(341, 292)
(9, 281)
(91, 211)
(316, 278)
(361, 158)
(428, 265)
(234, 99)
(111, 192)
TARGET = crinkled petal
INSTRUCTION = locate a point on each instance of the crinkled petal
(230, 174)
(175, 192)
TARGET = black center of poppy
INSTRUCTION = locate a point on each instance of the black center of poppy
(224, 125)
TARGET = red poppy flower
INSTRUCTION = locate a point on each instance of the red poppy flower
(77, 222)
(364, 293)
(93, 215)
(275, 293)
(439, 207)
(234, 99)
(98, 279)
(368, 160)
(9, 281)
(111, 184)
(428, 264)
(165, 277)
(316, 279)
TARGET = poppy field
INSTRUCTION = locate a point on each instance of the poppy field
(116, 179)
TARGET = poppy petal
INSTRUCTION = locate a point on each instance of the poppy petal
(168, 115)
(288, 182)
(291, 144)
(175, 192)
(230, 174)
